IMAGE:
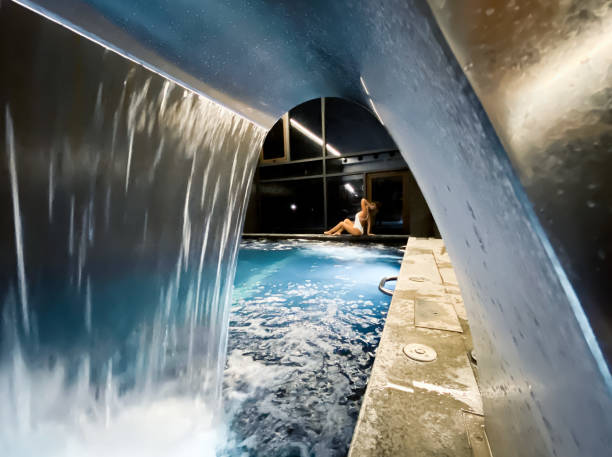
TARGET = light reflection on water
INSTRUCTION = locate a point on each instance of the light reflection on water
(305, 323)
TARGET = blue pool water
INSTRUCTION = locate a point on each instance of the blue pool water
(304, 326)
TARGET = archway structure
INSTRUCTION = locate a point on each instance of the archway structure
(533, 289)
(316, 164)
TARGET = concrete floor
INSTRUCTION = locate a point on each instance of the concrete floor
(416, 408)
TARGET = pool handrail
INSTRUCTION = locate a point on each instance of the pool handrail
(383, 281)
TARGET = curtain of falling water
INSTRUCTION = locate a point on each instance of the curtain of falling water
(122, 197)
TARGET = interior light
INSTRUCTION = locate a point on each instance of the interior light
(364, 86)
(293, 207)
(300, 128)
(376, 111)
(306, 132)
(350, 188)
(333, 150)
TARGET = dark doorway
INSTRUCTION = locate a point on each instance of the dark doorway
(389, 190)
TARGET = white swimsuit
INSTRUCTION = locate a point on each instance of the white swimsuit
(357, 223)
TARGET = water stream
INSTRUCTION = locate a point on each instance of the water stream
(123, 203)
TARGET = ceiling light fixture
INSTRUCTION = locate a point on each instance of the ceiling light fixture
(350, 188)
(303, 130)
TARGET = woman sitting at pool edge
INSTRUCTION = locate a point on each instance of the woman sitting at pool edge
(365, 216)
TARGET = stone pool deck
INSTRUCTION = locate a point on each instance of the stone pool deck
(419, 408)
(385, 239)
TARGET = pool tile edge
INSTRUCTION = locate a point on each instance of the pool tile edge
(422, 408)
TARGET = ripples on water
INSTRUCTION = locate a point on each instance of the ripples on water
(306, 320)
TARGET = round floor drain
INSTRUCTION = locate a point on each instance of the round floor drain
(420, 352)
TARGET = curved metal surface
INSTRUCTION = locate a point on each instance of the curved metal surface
(547, 87)
(544, 379)
(383, 281)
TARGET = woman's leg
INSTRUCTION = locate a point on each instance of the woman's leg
(349, 227)
(335, 229)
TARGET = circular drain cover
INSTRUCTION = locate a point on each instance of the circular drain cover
(420, 352)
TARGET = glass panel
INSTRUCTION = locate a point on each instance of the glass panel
(305, 131)
(421, 220)
(389, 190)
(291, 170)
(273, 147)
(350, 128)
(292, 206)
(344, 195)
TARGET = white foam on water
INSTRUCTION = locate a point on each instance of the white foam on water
(51, 420)
(300, 350)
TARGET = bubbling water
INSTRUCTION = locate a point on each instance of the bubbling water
(306, 320)
(116, 298)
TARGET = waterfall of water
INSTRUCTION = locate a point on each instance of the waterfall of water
(126, 196)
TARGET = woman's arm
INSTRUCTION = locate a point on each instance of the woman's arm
(366, 205)
(369, 231)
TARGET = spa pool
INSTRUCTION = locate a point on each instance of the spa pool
(304, 326)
